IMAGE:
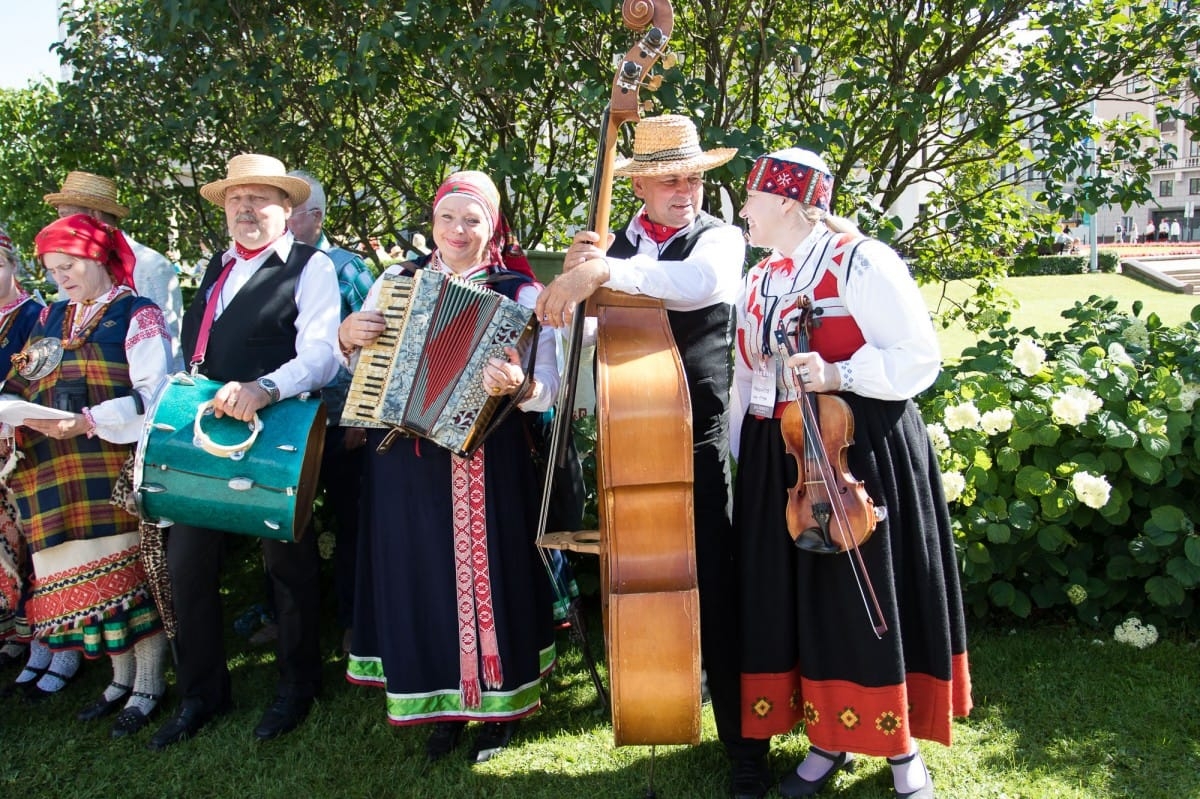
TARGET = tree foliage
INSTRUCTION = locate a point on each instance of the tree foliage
(381, 101)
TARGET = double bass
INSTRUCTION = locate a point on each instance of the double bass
(646, 540)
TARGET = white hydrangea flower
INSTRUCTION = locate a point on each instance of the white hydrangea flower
(1091, 489)
(938, 436)
(953, 484)
(998, 420)
(1189, 394)
(1028, 357)
(962, 417)
(1073, 404)
(1091, 398)
(1133, 632)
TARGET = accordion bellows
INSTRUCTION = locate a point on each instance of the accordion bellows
(424, 374)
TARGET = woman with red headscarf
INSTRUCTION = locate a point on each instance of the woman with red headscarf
(96, 359)
(454, 620)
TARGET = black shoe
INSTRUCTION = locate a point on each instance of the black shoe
(491, 738)
(750, 778)
(283, 716)
(105, 707)
(186, 722)
(443, 739)
(16, 652)
(793, 785)
(14, 687)
(926, 790)
(34, 693)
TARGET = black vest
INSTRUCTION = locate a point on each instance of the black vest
(256, 332)
(704, 337)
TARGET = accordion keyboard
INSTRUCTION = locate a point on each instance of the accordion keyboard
(364, 398)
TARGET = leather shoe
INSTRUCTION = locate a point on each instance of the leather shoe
(443, 739)
(283, 715)
(491, 738)
(104, 707)
(793, 785)
(926, 790)
(34, 693)
(186, 722)
(751, 778)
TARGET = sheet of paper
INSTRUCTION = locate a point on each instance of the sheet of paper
(15, 410)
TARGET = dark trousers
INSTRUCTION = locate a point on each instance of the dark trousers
(341, 475)
(194, 558)
(717, 578)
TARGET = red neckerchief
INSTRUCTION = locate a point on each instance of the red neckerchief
(658, 233)
(246, 254)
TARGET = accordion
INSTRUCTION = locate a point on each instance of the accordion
(424, 375)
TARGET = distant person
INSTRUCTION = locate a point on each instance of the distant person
(1062, 240)
(1120, 234)
(1176, 230)
(1134, 233)
(1150, 232)
(154, 276)
(342, 460)
(419, 249)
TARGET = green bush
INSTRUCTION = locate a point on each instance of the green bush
(1027, 265)
(1070, 462)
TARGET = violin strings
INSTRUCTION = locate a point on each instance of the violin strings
(825, 467)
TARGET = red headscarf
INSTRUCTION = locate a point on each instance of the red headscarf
(502, 247)
(84, 237)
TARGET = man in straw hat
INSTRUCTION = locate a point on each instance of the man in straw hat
(154, 276)
(264, 322)
(673, 251)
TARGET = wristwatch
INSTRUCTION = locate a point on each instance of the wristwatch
(268, 385)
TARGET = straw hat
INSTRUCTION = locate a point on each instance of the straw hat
(260, 170)
(88, 191)
(669, 144)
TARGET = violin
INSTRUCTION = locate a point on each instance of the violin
(828, 511)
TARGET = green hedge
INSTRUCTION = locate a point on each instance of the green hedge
(1027, 265)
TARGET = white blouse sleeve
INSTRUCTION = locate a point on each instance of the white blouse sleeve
(148, 352)
(901, 357)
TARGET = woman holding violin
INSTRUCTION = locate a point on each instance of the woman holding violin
(852, 619)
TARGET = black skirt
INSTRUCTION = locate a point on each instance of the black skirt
(809, 646)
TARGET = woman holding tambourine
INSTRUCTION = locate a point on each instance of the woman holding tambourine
(93, 361)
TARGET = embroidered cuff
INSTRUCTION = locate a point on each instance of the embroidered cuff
(847, 374)
(87, 414)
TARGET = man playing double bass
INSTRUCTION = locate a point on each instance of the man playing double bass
(673, 251)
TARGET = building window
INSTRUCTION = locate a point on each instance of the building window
(1194, 148)
(1166, 188)
(1166, 124)
(1194, 186)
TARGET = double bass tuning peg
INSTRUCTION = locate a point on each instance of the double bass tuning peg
(647, 106)
(653, 82)
(669, 60)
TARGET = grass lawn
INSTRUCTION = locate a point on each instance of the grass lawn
(1042, 300)
(1060, 713)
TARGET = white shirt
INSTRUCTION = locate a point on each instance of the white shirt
(711, 273)
(320, 313)
(156, 280)
(901, 356)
